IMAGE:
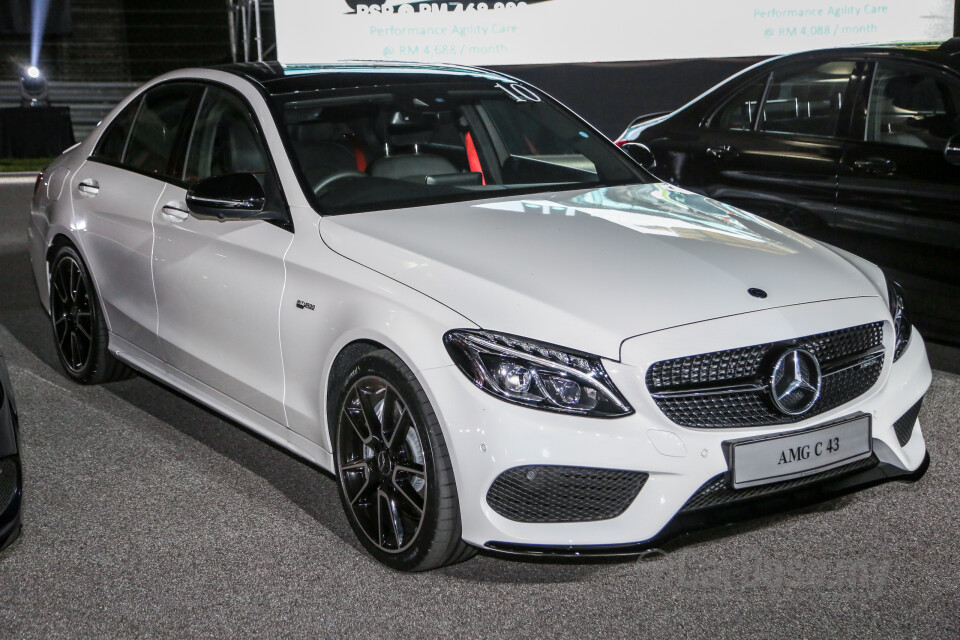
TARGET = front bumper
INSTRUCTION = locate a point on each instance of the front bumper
(487, 437)
(687, 522)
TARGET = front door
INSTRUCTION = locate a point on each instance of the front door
(774, 148)
(219, 284)
(895, 179)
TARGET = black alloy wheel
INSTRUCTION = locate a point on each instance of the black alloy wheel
(71, 314)
(381, 464)
(396, 480)
(79, 329)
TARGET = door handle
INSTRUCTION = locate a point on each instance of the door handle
(723, 152)
(89, 188)
(174, 213)
(875, 166)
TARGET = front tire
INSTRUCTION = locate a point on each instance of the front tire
(395, 476)
(79, 329)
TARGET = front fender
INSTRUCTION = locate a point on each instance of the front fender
(330, 302)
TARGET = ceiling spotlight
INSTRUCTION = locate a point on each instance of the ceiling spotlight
(33, 89)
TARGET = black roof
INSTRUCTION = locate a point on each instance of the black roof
(278, 79)
(946, 54)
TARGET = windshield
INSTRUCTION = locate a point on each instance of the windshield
(398, 146)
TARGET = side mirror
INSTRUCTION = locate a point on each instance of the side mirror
(641, 154)
(235, 196)
(951, 152)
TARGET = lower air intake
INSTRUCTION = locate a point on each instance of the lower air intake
(539, 493)
(717, 491)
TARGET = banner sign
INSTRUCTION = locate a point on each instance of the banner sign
(566, 31)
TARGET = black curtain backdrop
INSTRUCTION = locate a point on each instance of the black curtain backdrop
(15, 18)
(610, 95)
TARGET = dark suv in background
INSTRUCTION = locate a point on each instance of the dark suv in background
(859, 147)
(10, 471)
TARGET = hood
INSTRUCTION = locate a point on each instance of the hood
(588, 269)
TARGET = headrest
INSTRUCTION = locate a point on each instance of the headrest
(950, 47)
(906, 92)
(406, 129)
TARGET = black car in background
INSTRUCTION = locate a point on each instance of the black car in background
(10, 472)
(859, 147)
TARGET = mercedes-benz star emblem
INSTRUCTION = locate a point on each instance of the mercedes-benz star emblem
(795, 382)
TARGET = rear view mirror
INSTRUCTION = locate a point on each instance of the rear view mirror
(641, 154)
(951, 152)
(236, 196)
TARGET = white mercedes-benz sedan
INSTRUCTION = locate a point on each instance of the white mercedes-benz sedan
(492, 325)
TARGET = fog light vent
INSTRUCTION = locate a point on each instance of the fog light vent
(904, 426)
(541, 493)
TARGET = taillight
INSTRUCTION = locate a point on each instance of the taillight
(36, 185)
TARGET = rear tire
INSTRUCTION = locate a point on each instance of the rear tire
(395, 476)
(79, 329)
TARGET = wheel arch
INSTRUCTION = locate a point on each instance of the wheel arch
(339, 371)
(61, 239)
(360, 342)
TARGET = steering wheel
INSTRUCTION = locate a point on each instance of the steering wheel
(326, 181)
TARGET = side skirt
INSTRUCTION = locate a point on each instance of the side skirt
(273, 431)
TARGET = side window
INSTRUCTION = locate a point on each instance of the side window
(224, 139)
(912, 107)
(740, 112)
(110, 147)
(807, 100)
(157, 129)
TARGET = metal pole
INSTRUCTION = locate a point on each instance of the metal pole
(232, 25)
(245, 22)
(259, 36)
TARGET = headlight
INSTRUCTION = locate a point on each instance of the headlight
(901, 325)
(536, 374)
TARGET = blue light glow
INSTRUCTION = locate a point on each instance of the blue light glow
(38, 20)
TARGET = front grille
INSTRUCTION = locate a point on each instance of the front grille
(904, 426)
(730, 388)
(539, 493)
(717, 491)
(8, 482)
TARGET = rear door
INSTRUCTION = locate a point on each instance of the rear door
(114, 195)
(774, 147)
(895, 179)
